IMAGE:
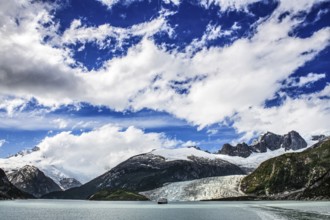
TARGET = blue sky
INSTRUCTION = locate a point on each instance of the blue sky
(195, 72)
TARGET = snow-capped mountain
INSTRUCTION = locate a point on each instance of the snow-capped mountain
(200, 189)
(248, 164)
(269, 145)
(33, 181)
(50, 168)
(149, 171)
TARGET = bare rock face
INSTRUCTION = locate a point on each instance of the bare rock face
(293, 141)
(268, 141)
(33, 181)
(242, 150)
(8, 190)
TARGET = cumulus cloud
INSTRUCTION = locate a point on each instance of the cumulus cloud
(309, 114)
(28, 67)
(95, 152)
(89, 154)
(213, 84)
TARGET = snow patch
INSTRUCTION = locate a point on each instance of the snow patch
(182, 153)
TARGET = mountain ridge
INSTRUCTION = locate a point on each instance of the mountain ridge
(267, 141)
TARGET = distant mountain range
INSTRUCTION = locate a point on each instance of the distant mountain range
(188, 169)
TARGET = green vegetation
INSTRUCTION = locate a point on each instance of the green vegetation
(291, 172)
(117, 195)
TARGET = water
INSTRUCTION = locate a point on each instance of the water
(70, 209)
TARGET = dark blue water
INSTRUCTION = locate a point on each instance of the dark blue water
(69, 209)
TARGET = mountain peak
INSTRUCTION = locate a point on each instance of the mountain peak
(267, 141)
(33, 181)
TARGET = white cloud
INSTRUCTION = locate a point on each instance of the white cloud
(242, 75)
(79, 33)
(12, 105)
(111, 3)
(228, 4)
(308, 114)
(305, 80)
(94, 152)
(224, 4)
(2, 142)
(45, 120)
(212, 32)
(219, 81)
(189, 144)
(42, 71)
(61, 123)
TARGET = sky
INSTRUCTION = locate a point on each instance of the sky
(129, 76)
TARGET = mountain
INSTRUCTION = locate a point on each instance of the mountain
(68, 183)
(201, 189)
(52, 169)
(267, 142)
(303, 175)
(149, 171)
(9, 191)
(64, 176)
(117, 195)
(33, 181)
(25, 152)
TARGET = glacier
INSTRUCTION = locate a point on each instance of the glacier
(200, 189)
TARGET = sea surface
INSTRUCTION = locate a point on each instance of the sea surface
(96, 210)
